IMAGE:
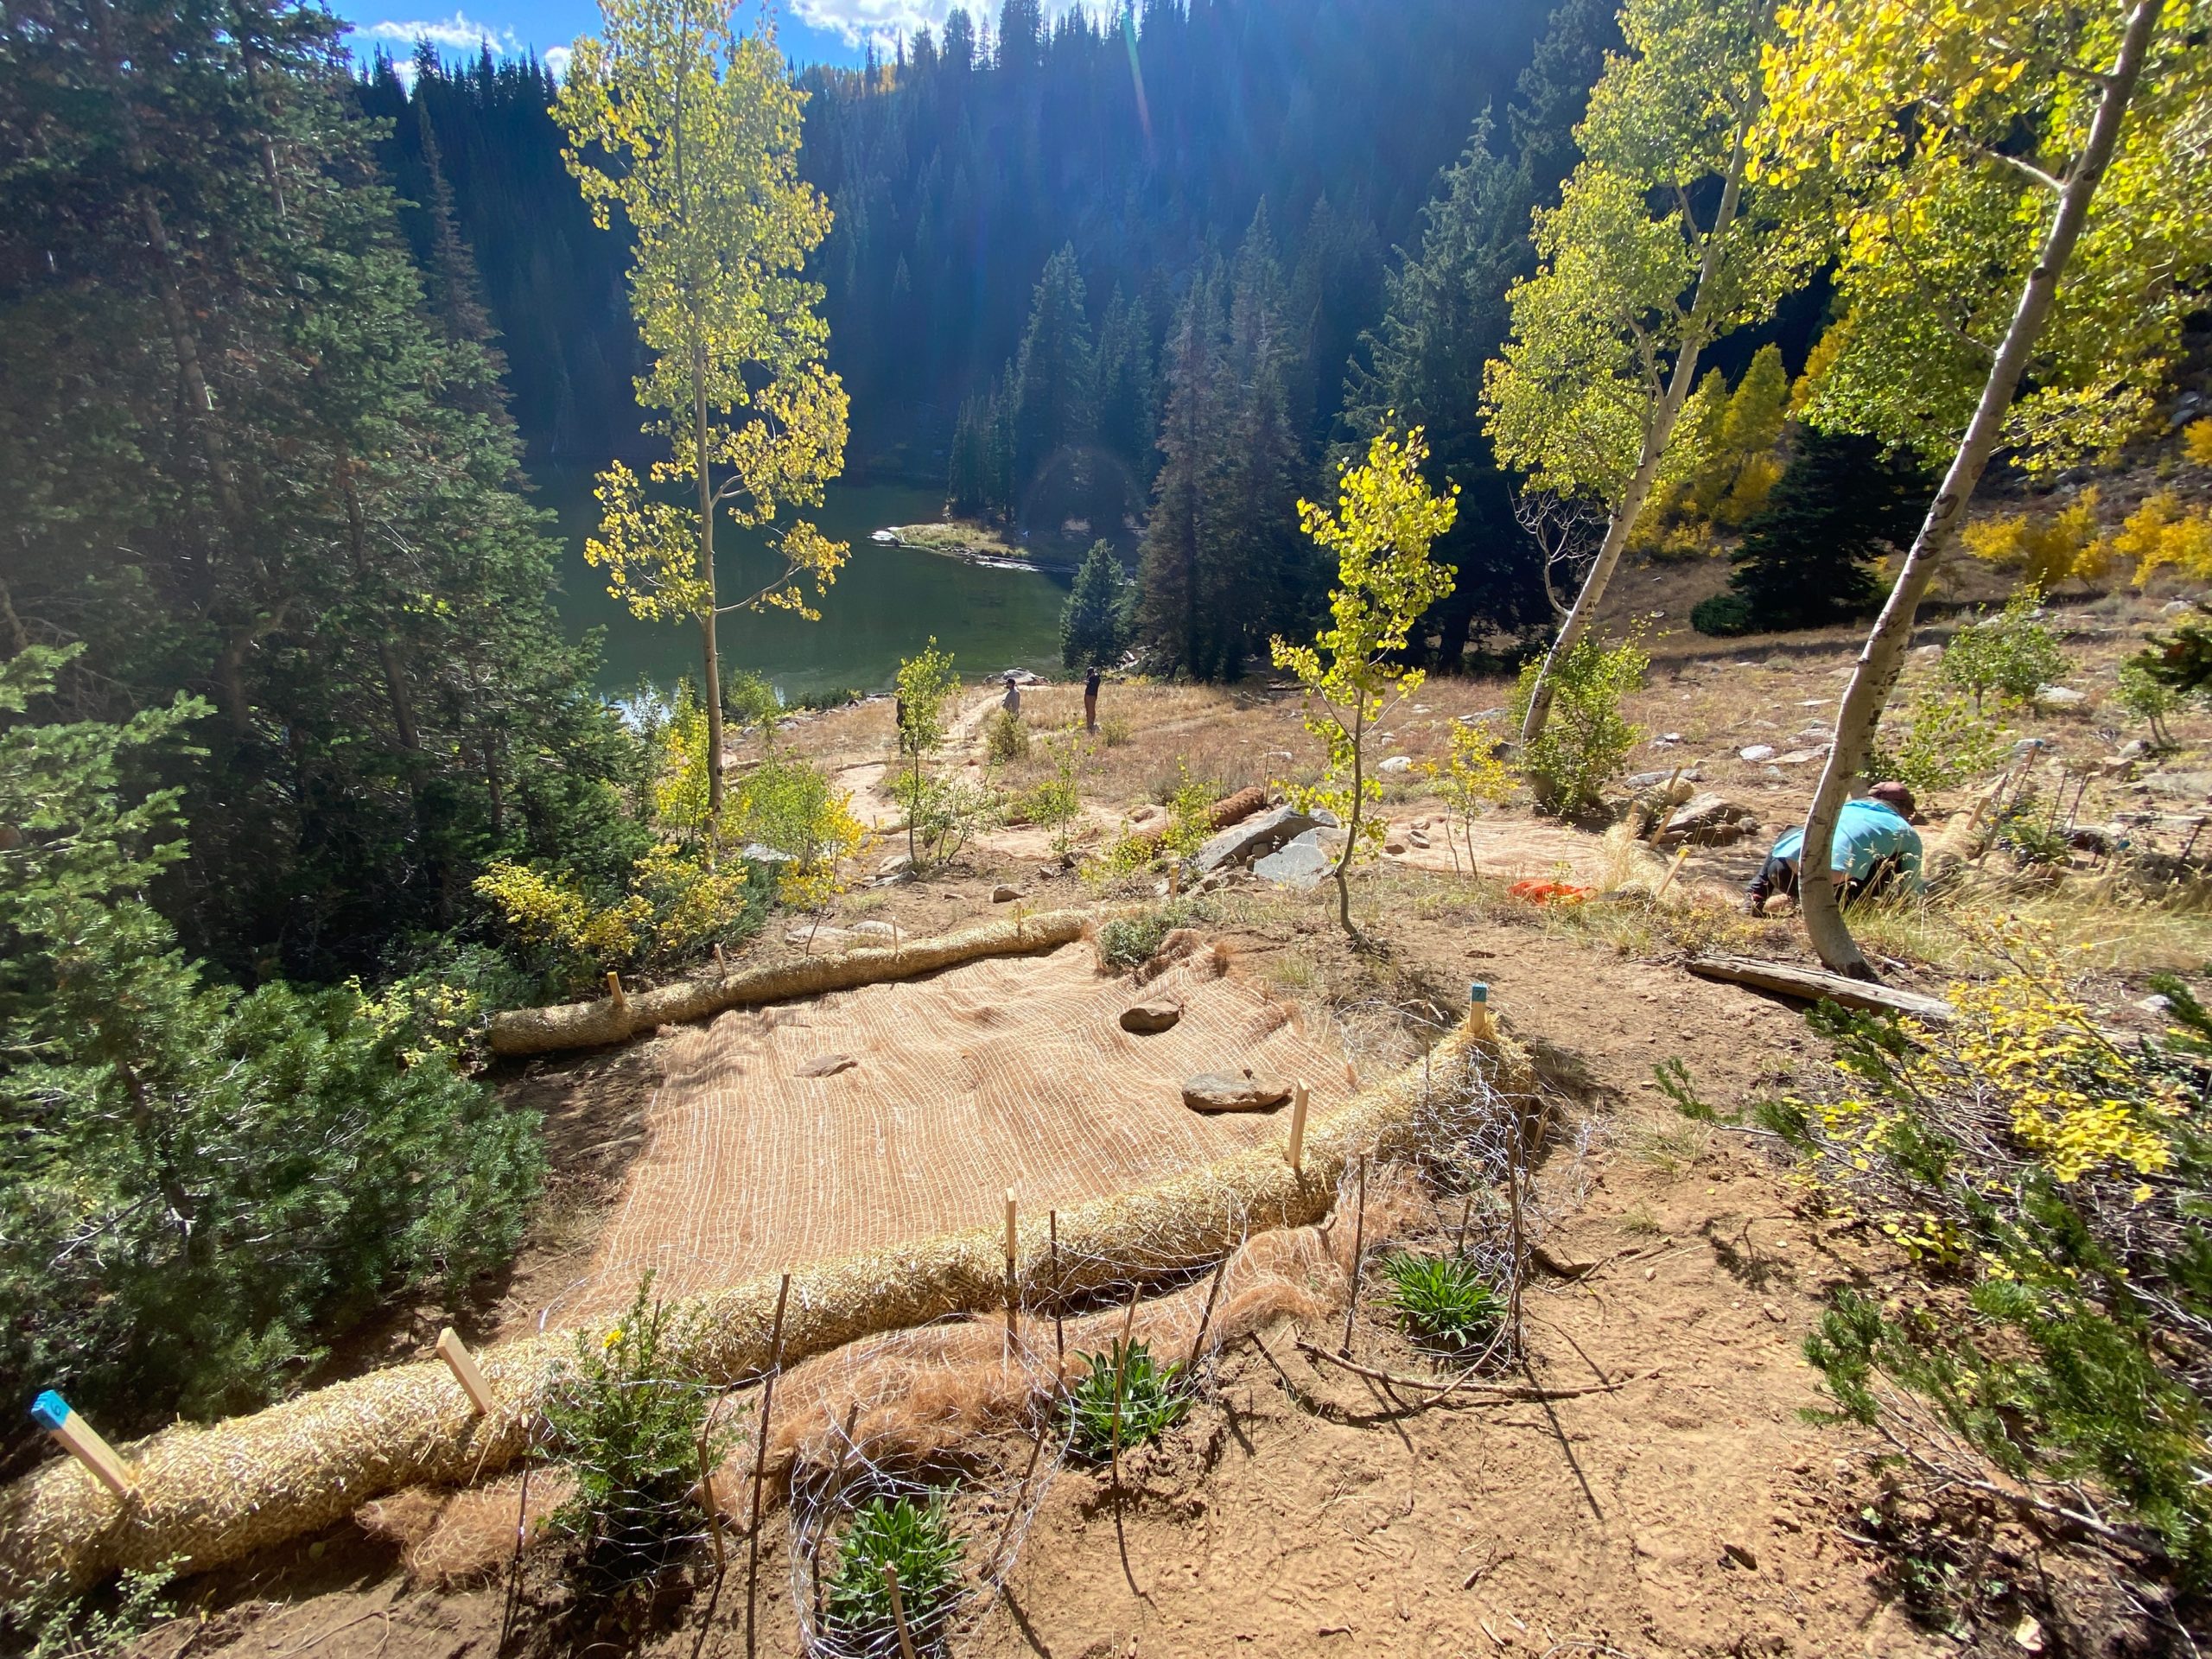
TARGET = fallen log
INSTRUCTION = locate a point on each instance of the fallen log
(1815, 984)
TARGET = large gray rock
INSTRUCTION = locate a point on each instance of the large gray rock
(1233, 1091)
(1300, 865)
(1254, 838)
(1709, 820)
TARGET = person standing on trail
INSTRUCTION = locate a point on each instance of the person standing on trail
(1875, 846)
(1090, 699)
(1011, 702)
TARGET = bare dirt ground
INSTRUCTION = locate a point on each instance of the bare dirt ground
(1681, 1507)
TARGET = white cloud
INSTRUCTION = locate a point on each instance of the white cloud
(555, 58)
(454, 33)
(886, 20)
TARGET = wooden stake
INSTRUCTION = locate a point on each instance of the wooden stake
(897, 1612)
(1198, 1342)
(1059, 1338)
(1012, 1291)
(761, 1464)
(1297, 1103)
(83, 1442)
(1513, 1209)
(721, 961)
(463, 1366)
(1358, 1252)
(1351, 1074)
(1674, 869)
(615, 989)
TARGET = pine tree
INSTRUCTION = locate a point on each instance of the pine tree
(1807, 560)
(1052, 375)
(1126, 422)
(1175, 563)
(1095, 623)
(1445, 315)
(1264, 574)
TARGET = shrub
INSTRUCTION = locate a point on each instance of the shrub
(917, 1541)
(2196, 442)
(1586, 743)
(2054, 1180)
(1115, 732)
(632, 1437)
(1129, 941)
(1945, 741)
(1722, 615)
(2045, 548)
(2011, 653)
(678, 903)
(60, 1626)
(1055, 804)
(1443, 1299)
(1190, 815)
(1123, 1398)
(2148, 698)
(1006, 738)
(748, 699)
(1471, 778)
(789, 805)
(2162, 532)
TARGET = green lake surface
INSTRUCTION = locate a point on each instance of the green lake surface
(887, 602)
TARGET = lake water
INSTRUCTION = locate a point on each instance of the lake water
(886, 605)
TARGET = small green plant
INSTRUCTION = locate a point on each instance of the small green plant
(1443, 1299)
(1115, 732)
(1945, 741)
(1130, 941)
(915, 1540)
(1585, 742)
(2011, 653)
(1673, 1078)
(61, 1626)
(1124, 1399)
(1056, 803)
(1190, 815)
(1006, 739)
(632, 1437)
(2149, 698)
(2029, 830)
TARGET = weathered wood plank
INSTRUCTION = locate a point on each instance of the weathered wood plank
(1785, 979)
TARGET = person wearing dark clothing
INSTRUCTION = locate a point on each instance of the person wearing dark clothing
(1090, 699)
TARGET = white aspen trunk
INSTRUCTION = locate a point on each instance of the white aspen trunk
(1875, 675)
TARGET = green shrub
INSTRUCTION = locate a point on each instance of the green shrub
(748, 700)
(93, 1626)
(631, 1434)
(2147, 697)
(1124, 1399)
(1443, 1299)
(916, 1540)
(1586, 740)
(1115, 732)
(836, 698)
(1126, 942)
(1946, 741)
(2053, 1181)
(2011, 653)
(1006, 738)
(1722, 615)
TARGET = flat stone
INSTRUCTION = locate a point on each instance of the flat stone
(1233, 1091)
(2182, 786)
(807, 933)
(761, 853)
(1005, 894)
(878, 929)
(826, 1065)
(898, 866)
(1159, 1014)
(1756, 752)
(1394, 845)
(2060, 696)
(1299, 865)
(1709, 820)
(1399, 763)
(1798, 757)
(1416, 838)
(1254, 838)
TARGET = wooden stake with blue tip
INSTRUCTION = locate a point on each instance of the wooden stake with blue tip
(83, 1442)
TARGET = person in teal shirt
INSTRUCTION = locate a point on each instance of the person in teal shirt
(1875, 846)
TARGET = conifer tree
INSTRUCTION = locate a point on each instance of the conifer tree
(1174, 565)
(1264, 570)
(1806, 560)
(1052, 375)
(1095, 623)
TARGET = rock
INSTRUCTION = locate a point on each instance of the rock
(1005, 894)
(2155, 1004)
(2028, 1633)
(1668, 739)
(1159, 1014)
(1480, 715)
(1300, 865)
(2134, 749)
(826, 1065)
(1144, 814)
(2060, 696)
(1399, 763)
(1709, 820)
(2182, 786)
(1421, 824)
(2176, 607)
(899, 866)
(761, 853)
(1798, 757)
(1925, 654)
(877, 929)
(1642, 780)
(2030, 745)
(1415, 838)
(1233, 1091)
(1741, 1554)
(807, 934)
(1254, 838)
(1757, 753)
(1394, 845)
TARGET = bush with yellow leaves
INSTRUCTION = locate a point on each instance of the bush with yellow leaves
(2196, 442)
(2165, 533)
(677, 905)
(2046, 1176)
(1470, 778)
(2045, 548)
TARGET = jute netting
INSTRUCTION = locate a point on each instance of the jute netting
(1005, 1073)
(880, 1188)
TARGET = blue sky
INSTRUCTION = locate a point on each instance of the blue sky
(811, 31)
